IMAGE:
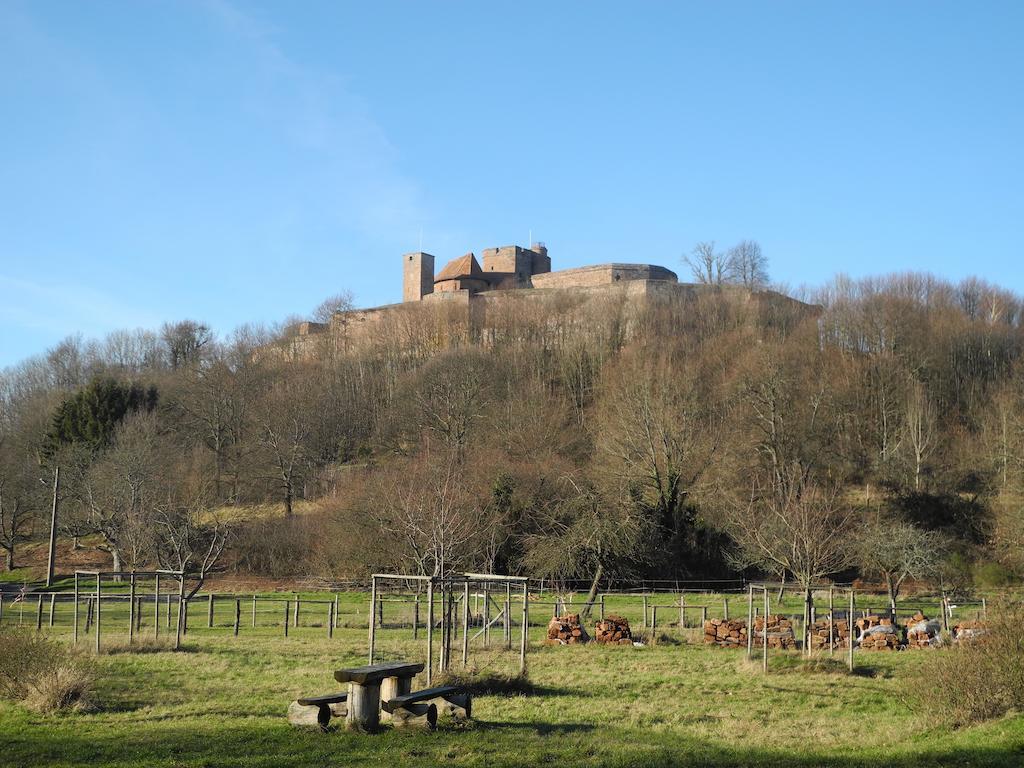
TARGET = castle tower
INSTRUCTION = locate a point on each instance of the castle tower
(417, 275)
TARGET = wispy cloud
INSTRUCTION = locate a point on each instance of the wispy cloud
(365, 186)
(63, 309)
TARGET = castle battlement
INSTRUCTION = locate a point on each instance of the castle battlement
(512, 267)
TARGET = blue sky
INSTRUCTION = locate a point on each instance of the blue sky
(232, 162)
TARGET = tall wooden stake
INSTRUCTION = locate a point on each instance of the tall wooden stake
(131, 609)
(51, 560)
(525, 629)
(75, 631)
(764, 634)
(465, 624)
(156, 608)
(849, 636)
(750, 621)
(430, 632)
(99, 580)
(373, 614)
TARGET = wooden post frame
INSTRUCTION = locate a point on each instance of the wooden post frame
(156, 607)
(131, 609)
(750, 621)
(99, 589)
(764, 634)
(373, 615)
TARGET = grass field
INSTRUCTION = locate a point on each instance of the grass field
(222, 702)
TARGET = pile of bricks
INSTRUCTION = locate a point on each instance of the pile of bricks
(878, 634)
(729, 633)
(922, 633)
(780, 632)
(820, 634)
(566, 630)
(613, 630)
(969, 631)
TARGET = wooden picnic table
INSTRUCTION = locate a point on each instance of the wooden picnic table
(366, 686)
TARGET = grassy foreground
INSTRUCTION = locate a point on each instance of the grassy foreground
(223, 702)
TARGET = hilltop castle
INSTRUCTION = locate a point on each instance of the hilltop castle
(512, 295)
(512, 267)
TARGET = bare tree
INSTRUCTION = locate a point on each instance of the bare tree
(114, 492)
(800, 529)
(583, 532)
(425, 504)
(184, 342)
(896, 551)
(921, 429)
(709, 267)
(188, 534)
(747, 265)
(332, 305)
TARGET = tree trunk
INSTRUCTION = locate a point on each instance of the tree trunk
(9, 558)
(592, 594)
(890, 584)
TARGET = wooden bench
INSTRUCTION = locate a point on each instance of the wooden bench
(317, 710)
(367, 685)
(450, 700)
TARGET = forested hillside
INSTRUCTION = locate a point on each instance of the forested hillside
(881, 437)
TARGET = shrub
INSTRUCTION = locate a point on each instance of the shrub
(982, 679)
(46, 676)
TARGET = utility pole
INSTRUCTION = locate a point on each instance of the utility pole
(53, 527)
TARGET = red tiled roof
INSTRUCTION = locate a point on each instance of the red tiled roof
(464, 266)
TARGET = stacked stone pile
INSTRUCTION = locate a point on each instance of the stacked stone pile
(878, 634)
(840, 634)
(726, 632)
(613, 630)
(780, 632)
(566, 630)
(922, 632)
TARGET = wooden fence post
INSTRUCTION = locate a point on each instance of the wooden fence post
(682, 610)
(238, 615)
(644, 624)
(179, 626)
(209, 611)
(156, 608)
(508, 616)
(849, 629)
(526, 628)
(416, 618)
(254, 611)
(602, 607)
(373, 614)
(287, 615)
(75, 631)
(725, 608)
(99, 580)
(764, 634)
(53, 600)
(430, 632)
(465, 623)
(39, 614)
(298, 601)
(750, 621)
(131, 609)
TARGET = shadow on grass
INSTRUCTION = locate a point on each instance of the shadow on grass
(76, 741)
(497, 684)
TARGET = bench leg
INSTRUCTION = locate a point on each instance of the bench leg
(363, 707)
(423, 715)
(458, 707)
(390, 687)
(309, 715)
